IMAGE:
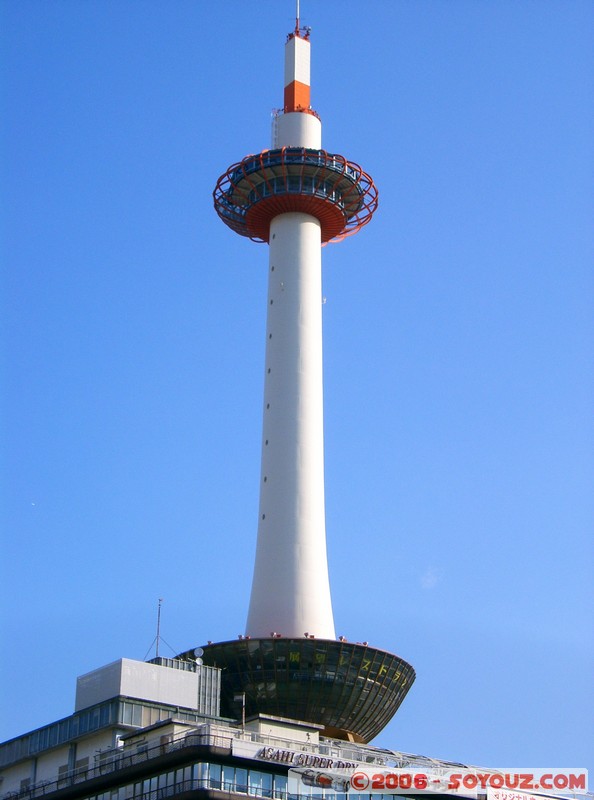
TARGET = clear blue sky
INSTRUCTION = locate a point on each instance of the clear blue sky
(458, 350)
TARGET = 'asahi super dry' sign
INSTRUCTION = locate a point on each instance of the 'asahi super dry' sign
(292, 758)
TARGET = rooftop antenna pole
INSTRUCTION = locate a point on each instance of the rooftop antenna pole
(297, 18)
(158, 627)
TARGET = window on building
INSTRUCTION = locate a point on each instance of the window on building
(214, 776)
(62, 775)
(280, 787)
(266, 784)
(255, 783)
(241, 783)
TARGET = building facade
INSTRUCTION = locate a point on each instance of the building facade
(150, 731)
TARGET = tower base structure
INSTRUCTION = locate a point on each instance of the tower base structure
(353, 690)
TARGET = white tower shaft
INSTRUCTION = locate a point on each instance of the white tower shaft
(291, 590)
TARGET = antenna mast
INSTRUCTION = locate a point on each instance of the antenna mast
(158, 627)
(297, 17)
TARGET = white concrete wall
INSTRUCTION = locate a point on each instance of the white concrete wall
(292, 733)
(90, 744)
(49, 761)
(140, 680)
(12, 776)
(153, 738)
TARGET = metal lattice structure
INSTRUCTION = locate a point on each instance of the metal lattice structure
(335, 191)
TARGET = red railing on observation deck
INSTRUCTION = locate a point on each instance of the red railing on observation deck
(337, 192)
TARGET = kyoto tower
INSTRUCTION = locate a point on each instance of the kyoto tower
(297, 197)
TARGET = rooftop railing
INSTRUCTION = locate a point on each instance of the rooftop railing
(113, 760)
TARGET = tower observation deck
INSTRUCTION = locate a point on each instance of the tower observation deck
(297, 197)
(326, 186)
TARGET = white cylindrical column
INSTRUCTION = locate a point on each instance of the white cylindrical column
(297, 130)
(291, 590)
